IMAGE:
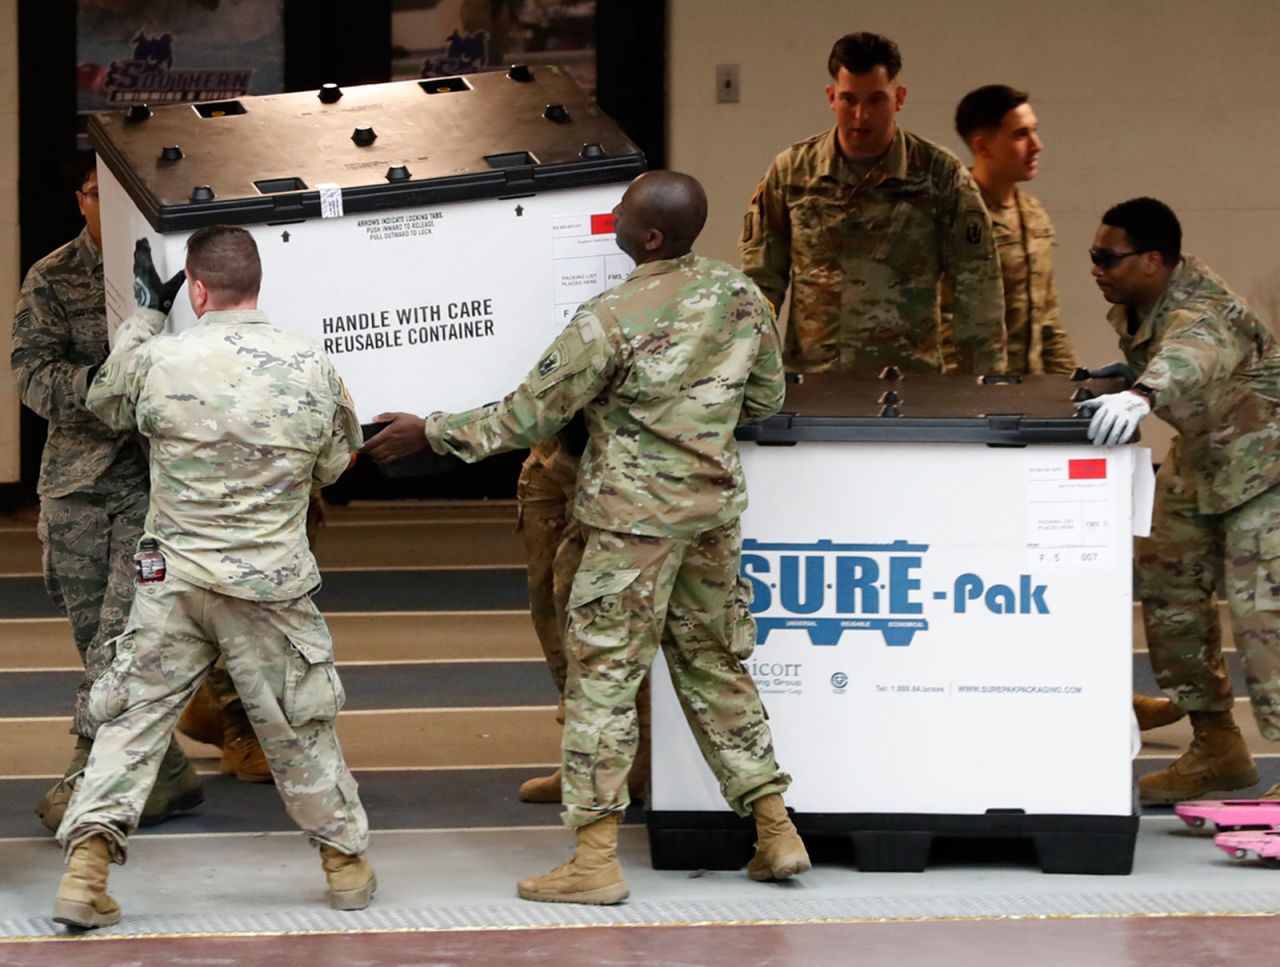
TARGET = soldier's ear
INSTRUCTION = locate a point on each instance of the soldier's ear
(900, 97)
(654, 240)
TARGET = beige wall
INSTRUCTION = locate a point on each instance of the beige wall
(1173, 98)
(8, 232)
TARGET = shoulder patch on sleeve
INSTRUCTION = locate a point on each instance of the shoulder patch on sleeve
(567, 355)
(974, 228)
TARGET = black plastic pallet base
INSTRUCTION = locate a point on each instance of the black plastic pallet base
(899, 843)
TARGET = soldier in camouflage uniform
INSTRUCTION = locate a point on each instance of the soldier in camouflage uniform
(93, 485)
(553, 545)
(664, 365)
(553, 542)
(862, 222)
(242, 418)
(1001, 130)
(1208, 366)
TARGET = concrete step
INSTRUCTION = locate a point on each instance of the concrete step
(45, 643)
(417, 534)
(376, 739)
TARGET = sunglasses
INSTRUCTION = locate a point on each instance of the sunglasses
(1106, 259)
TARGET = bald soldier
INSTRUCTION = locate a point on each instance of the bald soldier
(860, 224)
(664, 366)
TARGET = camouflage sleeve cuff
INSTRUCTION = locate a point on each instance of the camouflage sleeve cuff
(82, 380)
(433, 428)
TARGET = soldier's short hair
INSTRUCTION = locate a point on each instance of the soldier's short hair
(226, 260)
(983, 110)
(86, 164)
(1151, 226)
(863, 52)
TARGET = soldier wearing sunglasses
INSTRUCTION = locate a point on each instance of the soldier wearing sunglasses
(1207, 365)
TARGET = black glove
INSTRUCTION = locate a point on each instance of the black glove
(1115, 371)
(148, 290)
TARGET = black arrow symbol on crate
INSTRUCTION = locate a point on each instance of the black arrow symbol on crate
(284, 237)
(519, 211)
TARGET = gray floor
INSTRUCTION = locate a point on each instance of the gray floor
(462, 877)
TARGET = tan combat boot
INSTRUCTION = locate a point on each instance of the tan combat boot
(1153, 711)
(541, 788)
(592, 876)
(82, 899)
(1272, 793)
(202, 719)
(53, 804)
(177, 789)
(242, 755)
(1218, 761)
(351, 879)
(780, 853)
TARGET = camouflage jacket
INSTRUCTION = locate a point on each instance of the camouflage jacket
(59, 336)
(1214, 368)
(1032, 319)
(863, 257)
(665, 365)
(243, 418)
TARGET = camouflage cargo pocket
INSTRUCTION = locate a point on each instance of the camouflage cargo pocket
(1267, 593)
(312, 690)
(109, 694)
(599, 593)
(743, 640)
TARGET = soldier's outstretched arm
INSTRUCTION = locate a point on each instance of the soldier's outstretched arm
(766, 239)
(766, 383)
(566, 378)
(969, 260)
(48, 382)
(114, 391)
(1197, 349)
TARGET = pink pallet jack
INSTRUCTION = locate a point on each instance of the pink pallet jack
(1231, 814)
(1262, 843)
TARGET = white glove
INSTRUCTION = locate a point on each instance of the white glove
(1115, 416)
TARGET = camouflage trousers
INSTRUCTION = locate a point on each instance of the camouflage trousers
(1178, 572)
(632, 595)
(280, 656)
(89, 541)
(221, 689)
(553, 542)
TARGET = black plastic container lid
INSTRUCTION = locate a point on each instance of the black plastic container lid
(476, 136)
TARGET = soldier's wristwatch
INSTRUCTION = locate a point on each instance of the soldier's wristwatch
(1146, 392)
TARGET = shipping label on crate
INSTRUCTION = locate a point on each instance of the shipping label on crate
(436, 308)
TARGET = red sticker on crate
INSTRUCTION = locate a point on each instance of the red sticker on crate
(601, 224)
(1087, 469)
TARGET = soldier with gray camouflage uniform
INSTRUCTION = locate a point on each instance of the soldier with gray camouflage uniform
(861, 223)
(1210, 367)
(93, 486)
(242, 418)
(664, 366)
